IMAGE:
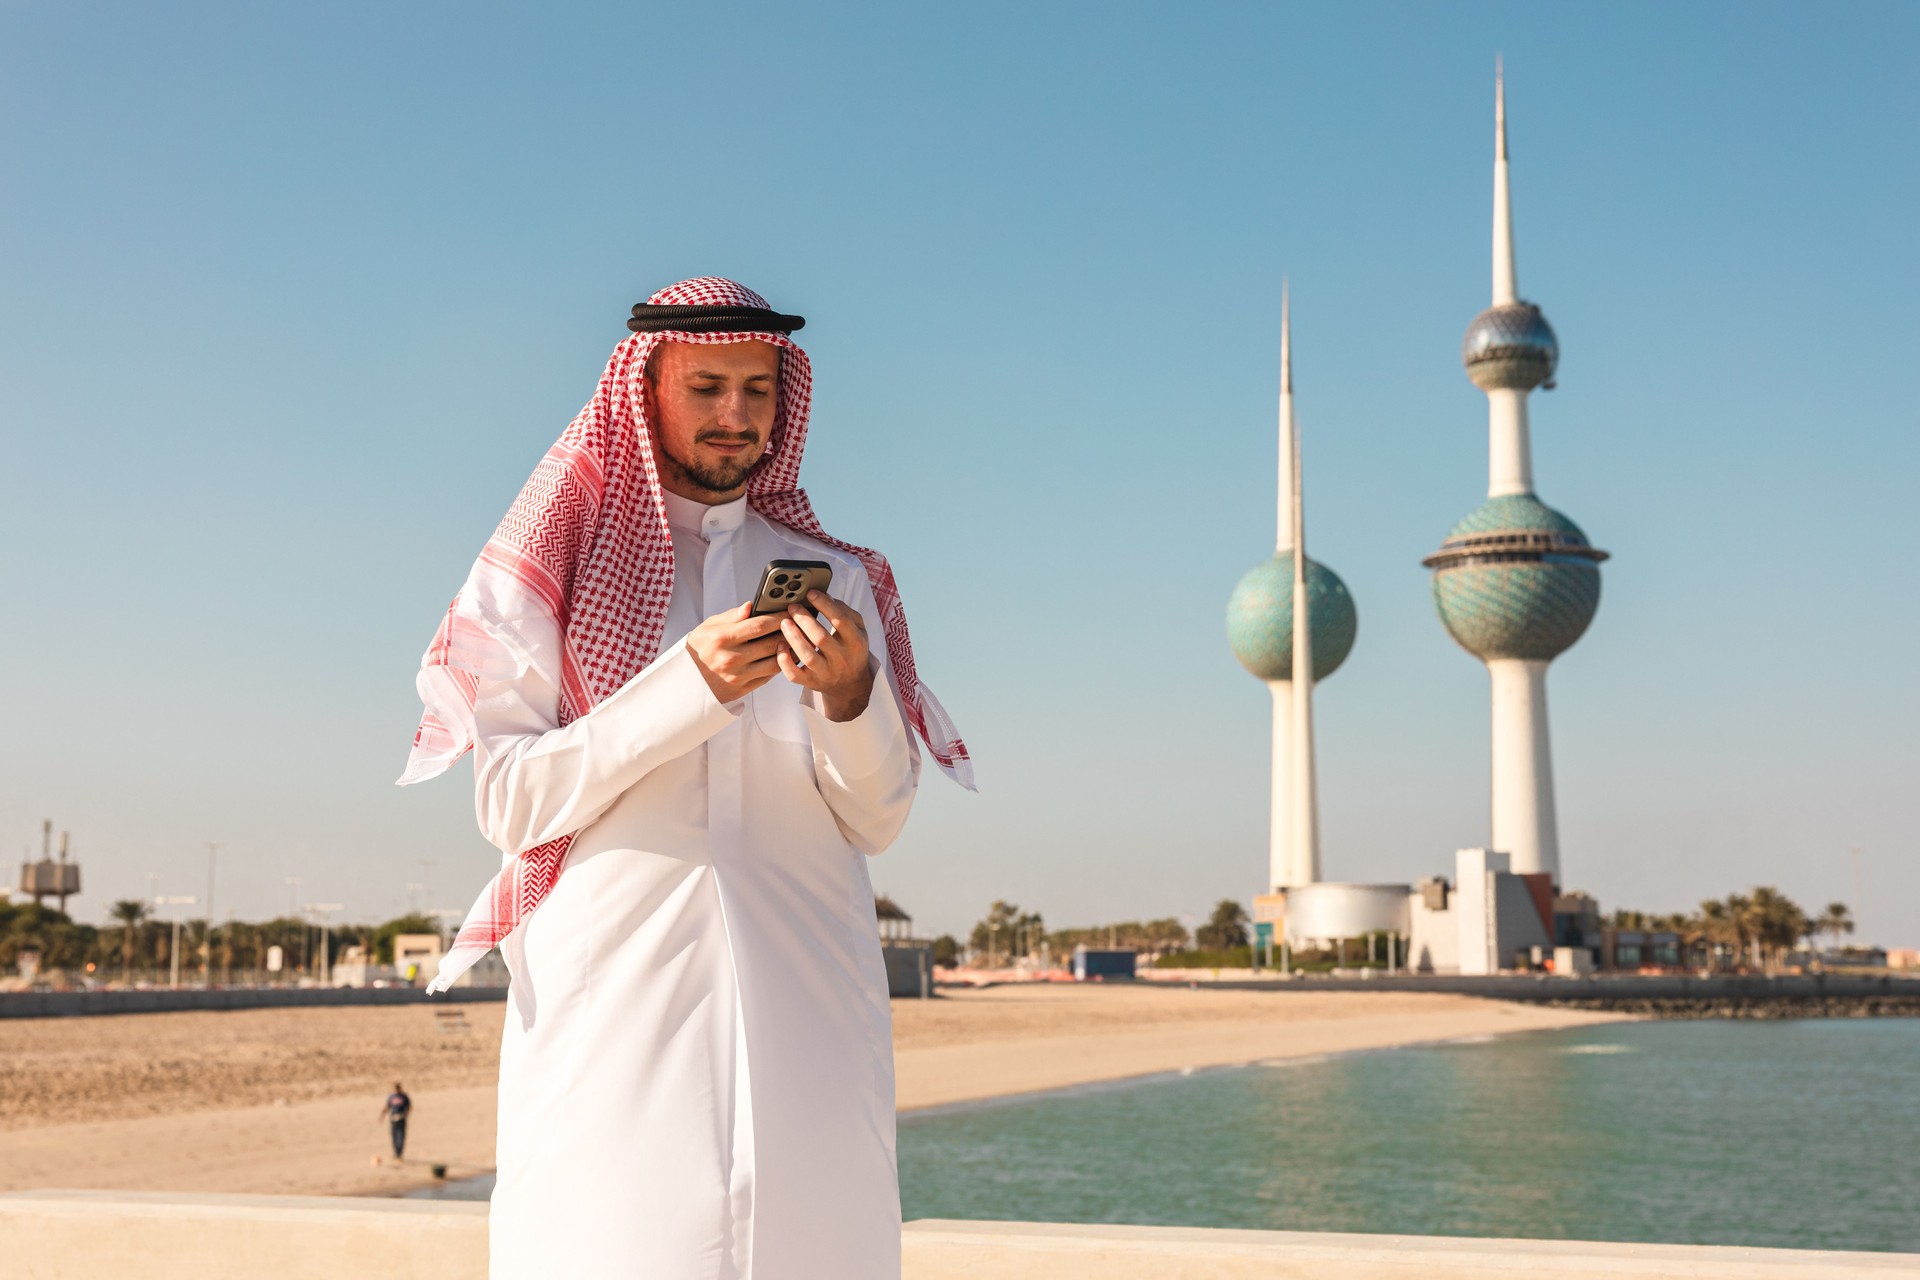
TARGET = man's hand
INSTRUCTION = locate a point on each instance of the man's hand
(831, 663)
(735, 651)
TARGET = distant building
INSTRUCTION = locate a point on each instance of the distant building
(353, 969)
(1640, 949)
(1489, 919)
(416, 956)
(1855, 958)
(896, 926)
(909, 960)
(1576, 921)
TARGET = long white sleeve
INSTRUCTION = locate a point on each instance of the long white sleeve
(535, 781)
(867, 768)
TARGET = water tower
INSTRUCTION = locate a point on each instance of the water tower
(1266, 632)
(47, 878)
(1516, 582)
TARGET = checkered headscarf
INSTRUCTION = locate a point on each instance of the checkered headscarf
(585, 552)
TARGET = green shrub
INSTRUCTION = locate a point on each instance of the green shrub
(1231, 958)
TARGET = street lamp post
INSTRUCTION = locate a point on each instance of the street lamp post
(213, 847)
(173, 952)
(323, 910)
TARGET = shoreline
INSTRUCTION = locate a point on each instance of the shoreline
(286, 1101)
(1181, 1073)
(1251, 1027)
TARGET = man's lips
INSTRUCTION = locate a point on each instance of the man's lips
(729, 446)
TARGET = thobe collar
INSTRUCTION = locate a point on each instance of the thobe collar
(702, 521)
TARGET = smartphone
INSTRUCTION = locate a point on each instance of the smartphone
(786, 582)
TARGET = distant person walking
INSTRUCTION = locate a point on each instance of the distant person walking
(395, 1109)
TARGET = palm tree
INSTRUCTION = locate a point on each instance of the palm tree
(1716, 926)
(1776, 922)
(1740, 925)
(131, 913)
(1835, 922)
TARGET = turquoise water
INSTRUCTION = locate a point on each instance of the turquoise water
(1790, 1134)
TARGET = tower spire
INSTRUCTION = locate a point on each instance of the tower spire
(1506, 282)
(1305, 810)
(1284, 540)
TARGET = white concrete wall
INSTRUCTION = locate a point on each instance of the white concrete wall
(1517, 923)
(1475, 904)
(1433, 937)
(56, 1235)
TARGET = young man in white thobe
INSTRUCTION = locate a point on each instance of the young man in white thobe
(696, 1077)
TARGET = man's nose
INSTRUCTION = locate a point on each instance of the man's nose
(733, 411)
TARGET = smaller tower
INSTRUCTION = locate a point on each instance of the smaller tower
(1266, 632)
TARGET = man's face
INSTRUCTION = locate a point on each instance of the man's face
(711, 409)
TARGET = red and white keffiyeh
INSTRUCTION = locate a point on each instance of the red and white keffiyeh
(585, 554)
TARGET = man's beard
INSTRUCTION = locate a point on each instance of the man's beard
(720, 477)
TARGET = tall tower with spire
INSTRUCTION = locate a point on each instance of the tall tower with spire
(1266, 632)
(1516, 582)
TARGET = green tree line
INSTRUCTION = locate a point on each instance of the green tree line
(137, 945)
(1757, 929)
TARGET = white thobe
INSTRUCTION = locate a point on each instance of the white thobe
(696, 1077)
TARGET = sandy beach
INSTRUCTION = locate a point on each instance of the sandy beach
(288, 1100)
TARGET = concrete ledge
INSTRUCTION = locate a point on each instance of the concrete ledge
(938, 1250)
(157, 1235)
(46, 1235)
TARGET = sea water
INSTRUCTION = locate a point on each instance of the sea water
(1797, 1134)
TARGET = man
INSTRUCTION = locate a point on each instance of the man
(696, 1077)
(394, 1111)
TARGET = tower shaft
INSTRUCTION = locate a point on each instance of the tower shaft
(1304, 806)
(1524, 824)
(1280, 836)
(1510, 447)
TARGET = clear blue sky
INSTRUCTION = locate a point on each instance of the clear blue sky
(296, 295)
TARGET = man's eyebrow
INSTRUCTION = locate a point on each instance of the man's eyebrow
(752, 377)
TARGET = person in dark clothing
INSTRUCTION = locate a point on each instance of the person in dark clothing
(395, 1109)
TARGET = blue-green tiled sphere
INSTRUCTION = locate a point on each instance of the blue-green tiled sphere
(1516, 579)
(1260, 619)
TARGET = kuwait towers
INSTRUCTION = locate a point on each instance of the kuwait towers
(1266, 631)
(1516, 582)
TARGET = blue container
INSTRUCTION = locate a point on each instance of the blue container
(1089, 964)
